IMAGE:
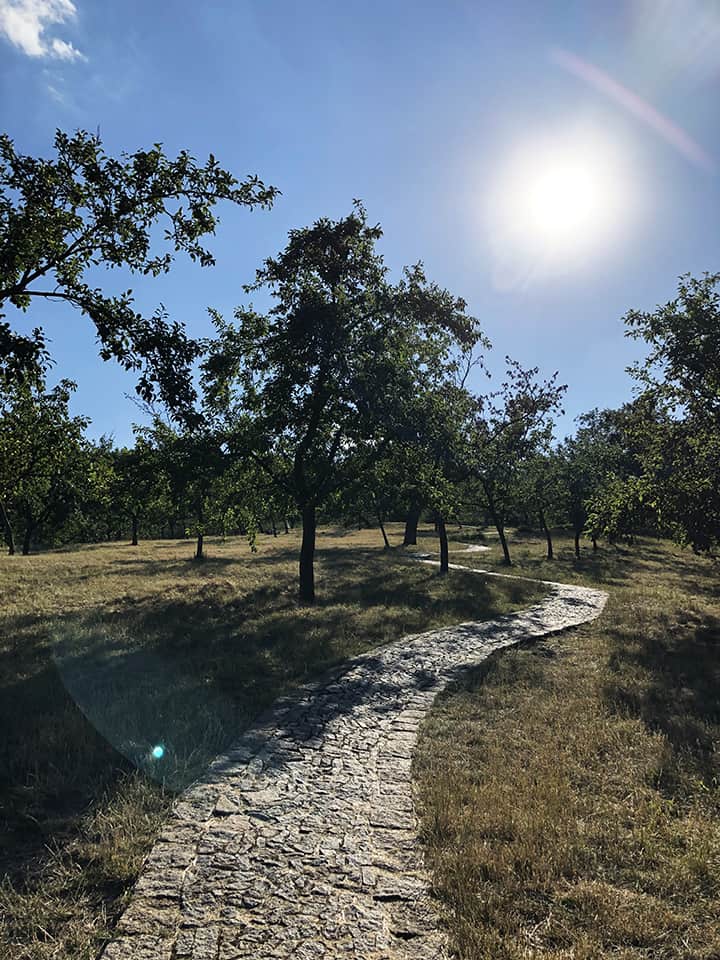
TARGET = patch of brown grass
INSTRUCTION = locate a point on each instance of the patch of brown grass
(570, 791)
(107, 651)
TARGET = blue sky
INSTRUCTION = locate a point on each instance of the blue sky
(417, 109)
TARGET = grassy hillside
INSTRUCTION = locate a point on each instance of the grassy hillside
(108, 653)
(571, 790)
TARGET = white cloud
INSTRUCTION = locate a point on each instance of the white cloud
(65, 50)
(23, 23)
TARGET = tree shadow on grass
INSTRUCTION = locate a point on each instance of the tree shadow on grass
(85, 698)
(147, 567)
(668, 676)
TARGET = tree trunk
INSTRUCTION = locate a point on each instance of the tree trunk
(307, 556)
(199, 555)
(285, 523)
(503, 542)
(273, 525)
(27, 539)
(442, 537)
(594, 543)
(500, 527)
(134, 531)
(577, 543)
(411, 525)
(546, 531)
(382, 531)
(8, 530)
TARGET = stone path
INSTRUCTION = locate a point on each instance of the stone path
(301, 841)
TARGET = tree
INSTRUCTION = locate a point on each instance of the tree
(94, 518)
(191, 462)
(588, 463)
(60, 217)
(581, 475)
(322, 382)
(611, 493)
(679, 407)
(510, 425)
(432, 459)
(683, 365)
(425, 462)
(441, 418)
(41, 457)
(139, 484)
(540, 491)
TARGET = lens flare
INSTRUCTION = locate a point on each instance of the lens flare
(158, 751)
(636, 106)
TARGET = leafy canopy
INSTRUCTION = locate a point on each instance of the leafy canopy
(82, 209)
(326, 379)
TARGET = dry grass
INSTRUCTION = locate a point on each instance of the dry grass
(107, 651)
(571, 790)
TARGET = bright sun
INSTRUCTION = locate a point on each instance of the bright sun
(562, 201)
(555, 201)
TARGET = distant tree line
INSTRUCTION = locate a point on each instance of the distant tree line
(347, 400)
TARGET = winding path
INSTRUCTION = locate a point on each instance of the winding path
(301, 841)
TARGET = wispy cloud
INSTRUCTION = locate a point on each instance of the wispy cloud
(57, 95)
(24, 23)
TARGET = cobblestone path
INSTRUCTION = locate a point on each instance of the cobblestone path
(300, 842)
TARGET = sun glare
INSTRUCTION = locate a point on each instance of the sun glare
(556, 201)
(562, 201)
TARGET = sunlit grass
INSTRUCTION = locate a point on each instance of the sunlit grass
(571, 790)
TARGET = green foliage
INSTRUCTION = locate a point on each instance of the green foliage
(681, 464)
(539, 486)
(584, 463)
(509, 427)
(620, 509)
(683, 365)
(139, 486)
(60, 217)
(42, 455)
(679, 410)
(320, 387)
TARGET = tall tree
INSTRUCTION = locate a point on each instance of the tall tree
(60, 217)
(510, 425)
(322, 381)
